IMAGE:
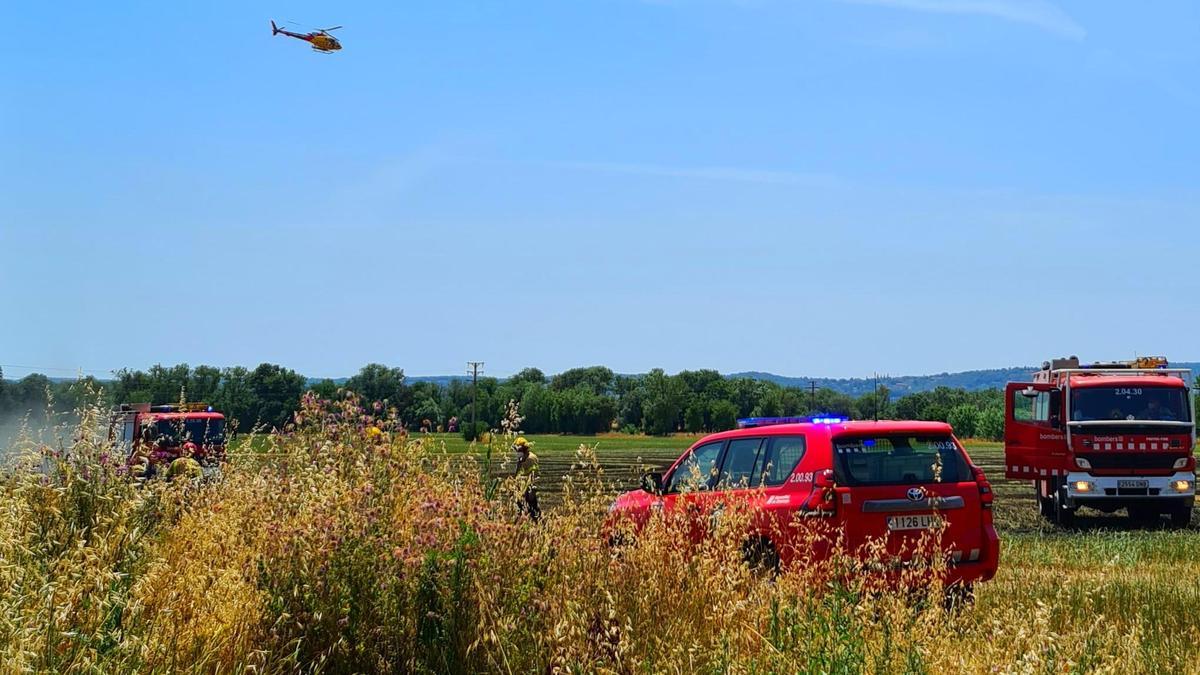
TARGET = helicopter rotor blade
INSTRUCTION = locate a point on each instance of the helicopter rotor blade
(326, 30)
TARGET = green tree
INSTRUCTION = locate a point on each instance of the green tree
(537, 406)
(596, 378)
(631, 397)
(278, 391)
(529, 376)
(203, 383)
(990, 425)
(874, 405)
(32, 393)
(665, 397)
(169, 384)
(426, 408)
(580, 410)
(770, 403)
(237, 399)
(722, 415)
(693, 416)
(326, 389)
(377, 382)
(963, 418)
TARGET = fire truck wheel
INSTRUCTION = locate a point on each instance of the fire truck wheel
(1181, 517)
(1045, 504)
(1063, 516)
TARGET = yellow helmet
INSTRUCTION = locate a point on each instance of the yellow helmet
(520, 443)
(185, 467)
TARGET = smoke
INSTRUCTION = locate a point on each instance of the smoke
(24, 430)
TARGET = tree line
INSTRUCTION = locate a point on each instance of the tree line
(578, 401)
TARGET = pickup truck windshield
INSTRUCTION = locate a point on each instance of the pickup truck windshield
(1160, 404)
(899, 459)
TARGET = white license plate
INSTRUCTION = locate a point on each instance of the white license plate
(922, 522)
(1133, 484)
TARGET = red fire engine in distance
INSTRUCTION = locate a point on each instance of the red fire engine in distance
(153, 436)
(1108, 436)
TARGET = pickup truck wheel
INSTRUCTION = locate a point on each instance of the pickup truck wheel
(760, 555)
(958, 596)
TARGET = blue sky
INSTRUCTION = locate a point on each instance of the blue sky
(808, 187)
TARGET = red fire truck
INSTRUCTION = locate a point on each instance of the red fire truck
(1109, 436)
(153, 436)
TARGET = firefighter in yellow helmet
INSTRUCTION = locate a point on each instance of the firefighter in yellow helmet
(185, 467)
(527, 466)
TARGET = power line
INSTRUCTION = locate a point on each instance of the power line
(57, 369)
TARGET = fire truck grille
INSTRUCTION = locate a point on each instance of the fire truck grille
(1134, 460)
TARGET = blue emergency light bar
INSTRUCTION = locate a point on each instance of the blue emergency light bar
(748, 422)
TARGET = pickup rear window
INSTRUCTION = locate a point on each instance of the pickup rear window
(899, 459)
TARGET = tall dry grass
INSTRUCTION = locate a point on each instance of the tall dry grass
(341, 550)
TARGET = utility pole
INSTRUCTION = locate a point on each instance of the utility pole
(474, 366)
(875, 397)
(812, 397)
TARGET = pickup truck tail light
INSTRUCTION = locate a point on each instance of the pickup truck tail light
(985, 488)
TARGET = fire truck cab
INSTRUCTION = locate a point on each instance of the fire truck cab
(1108, 436)
(152, 436)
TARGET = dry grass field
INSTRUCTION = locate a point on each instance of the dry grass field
(332, 549)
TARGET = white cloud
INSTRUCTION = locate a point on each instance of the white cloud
(1038, 13)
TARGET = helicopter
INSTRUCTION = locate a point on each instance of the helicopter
(320, 39)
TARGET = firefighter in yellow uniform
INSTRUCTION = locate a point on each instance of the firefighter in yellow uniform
(185, 467)
(527, 466)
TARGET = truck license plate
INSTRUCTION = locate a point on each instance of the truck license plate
(1133, 484)
(922, 522)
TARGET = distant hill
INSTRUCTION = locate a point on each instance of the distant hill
(971, 380)
(439, 380)
(910, 384)
(904, 384)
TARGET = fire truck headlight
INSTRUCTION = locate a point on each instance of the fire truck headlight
(1181, 485)
(1082, 463)
(1083, 486)
(1181, 462)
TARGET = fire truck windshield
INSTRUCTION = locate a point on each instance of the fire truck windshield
(1160, 404)
(199, 431)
